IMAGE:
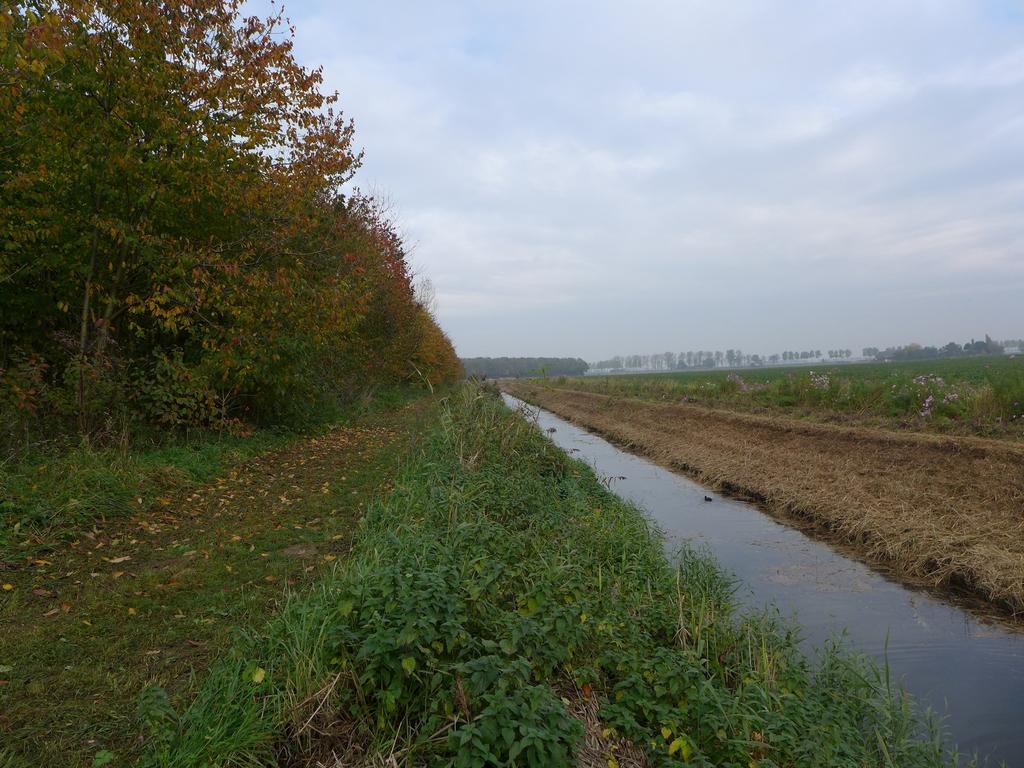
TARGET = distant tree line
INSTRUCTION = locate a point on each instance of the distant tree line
(519, 367)
(675, 361)
(681, 361)
(735, 358)
(918, 352)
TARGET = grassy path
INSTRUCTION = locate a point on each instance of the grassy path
(152, 599)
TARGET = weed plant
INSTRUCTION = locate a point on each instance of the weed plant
(498, 577)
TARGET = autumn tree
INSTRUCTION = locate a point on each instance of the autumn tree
(174, 225)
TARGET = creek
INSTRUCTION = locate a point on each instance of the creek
(967, 669)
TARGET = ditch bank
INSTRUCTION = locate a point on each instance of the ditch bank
(500, 606)
(968, 669)
(939, 511)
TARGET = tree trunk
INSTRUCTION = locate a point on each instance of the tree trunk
(83, 337)
(103, 333)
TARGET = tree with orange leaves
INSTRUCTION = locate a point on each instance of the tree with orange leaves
(170, 203)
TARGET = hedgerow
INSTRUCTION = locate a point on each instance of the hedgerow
(179, 246)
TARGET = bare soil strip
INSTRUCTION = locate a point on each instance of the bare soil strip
(945, 511)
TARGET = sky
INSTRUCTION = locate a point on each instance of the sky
(597, 178)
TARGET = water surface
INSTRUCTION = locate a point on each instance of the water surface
(963, 667)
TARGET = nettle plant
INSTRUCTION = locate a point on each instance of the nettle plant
(499, 577)
(437, 636)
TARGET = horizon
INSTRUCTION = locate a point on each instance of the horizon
(775, 350)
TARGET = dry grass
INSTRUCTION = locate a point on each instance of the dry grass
(947, 511)
(601, 747)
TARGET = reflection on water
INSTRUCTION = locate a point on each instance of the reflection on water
(961, 667)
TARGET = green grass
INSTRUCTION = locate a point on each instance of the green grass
(975, 395)
(156, 598)
(498, 577)
(48, 499)
(51, 495)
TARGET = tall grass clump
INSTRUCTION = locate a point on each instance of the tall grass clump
(497, 586)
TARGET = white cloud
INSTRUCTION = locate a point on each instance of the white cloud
(1002, 71)
(591, 178)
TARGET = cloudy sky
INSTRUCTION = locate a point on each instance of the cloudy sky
(592, 178)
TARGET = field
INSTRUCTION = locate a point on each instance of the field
(974, 395)
(488, 603)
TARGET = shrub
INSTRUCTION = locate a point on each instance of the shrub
(170, 393)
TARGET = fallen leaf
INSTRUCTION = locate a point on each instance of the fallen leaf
(118, 559)
(8, 587)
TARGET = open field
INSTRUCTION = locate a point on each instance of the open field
(110, 597)
(500, 607)
(946, 510)
(973, 395)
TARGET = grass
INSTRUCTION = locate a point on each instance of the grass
(975, 395)
(153, 595)
(500, 607)
(50, 499)
(52, 493)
